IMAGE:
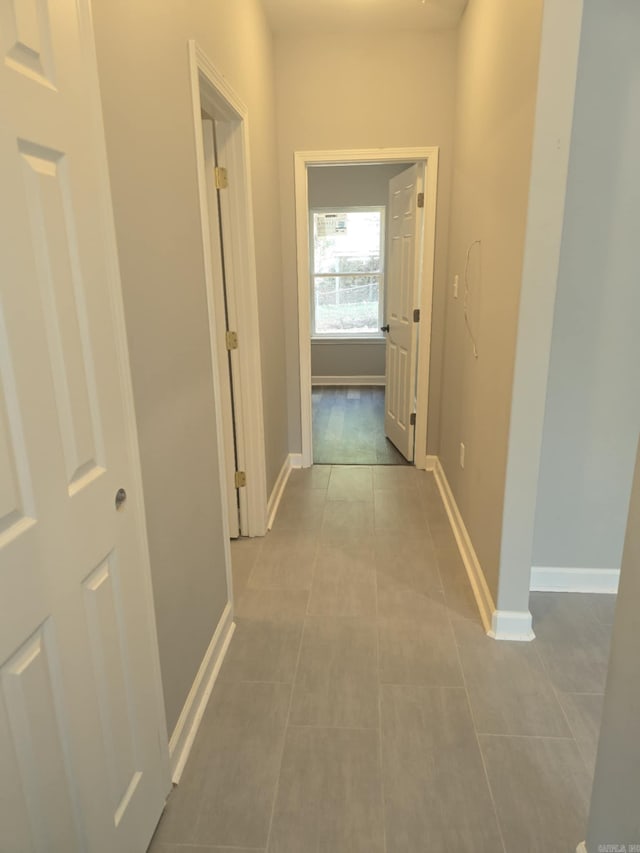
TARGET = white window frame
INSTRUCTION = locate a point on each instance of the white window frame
(348, 336)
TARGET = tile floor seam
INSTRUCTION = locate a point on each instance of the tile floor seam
(422, 686)
(380, 735)
(556, 693)
(255, 559)
(583, 692)
(333, 728)
(256, 681)
(213, 847)
(287, 725)
(477, 738)
(564, 713)
(438, 570)
(527, 737)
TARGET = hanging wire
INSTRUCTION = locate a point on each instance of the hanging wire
(466, 295)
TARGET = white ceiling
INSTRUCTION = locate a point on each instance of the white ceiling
(331, 16)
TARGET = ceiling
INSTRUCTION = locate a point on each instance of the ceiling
(331, 16)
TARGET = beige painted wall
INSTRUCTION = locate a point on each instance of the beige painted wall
(496, 86)
(346, 91)
(144, 78)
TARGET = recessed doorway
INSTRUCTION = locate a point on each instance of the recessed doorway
(365, 234)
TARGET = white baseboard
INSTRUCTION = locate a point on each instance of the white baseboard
(477, 579)
(501, 625)
(560, 579)
(511, 625)
(582, 847)
(278, 490)
(296, 460)
(430, 463)
(348, 380)
(186, 728)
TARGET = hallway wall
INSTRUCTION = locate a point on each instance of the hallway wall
(366, 90)
(146, 94)
(498, 53)
(593, 407)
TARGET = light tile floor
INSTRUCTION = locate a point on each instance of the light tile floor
(361, 708)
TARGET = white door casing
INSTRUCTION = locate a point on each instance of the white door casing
(428, 158)
(83, 745)
(211, 93)
(219, 320)
(401, 298)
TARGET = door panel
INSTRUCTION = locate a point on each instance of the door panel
(54, 239)
(35, 723)
(83, 747)
(109, 655)
(402, 280)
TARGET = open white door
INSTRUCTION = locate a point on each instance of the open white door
(83, 744)
(219, 325)
(401, 297)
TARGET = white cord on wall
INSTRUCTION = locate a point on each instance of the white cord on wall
(466, 294)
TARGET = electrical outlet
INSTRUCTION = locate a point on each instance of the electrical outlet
(461, 455)
(455, 286)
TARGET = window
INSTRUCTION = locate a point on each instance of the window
(347, 272)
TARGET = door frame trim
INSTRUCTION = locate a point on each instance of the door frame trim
(211, 91)
(366, 156)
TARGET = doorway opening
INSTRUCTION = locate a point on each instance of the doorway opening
(220, 130)
(365, 238)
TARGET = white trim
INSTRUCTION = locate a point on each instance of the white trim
(430, 189)
(191, 715)
(472, 565)
(216, 298)
(430, 463)
(582, 847)
(211, 91)
(511, 625)
(296, 460)
(348, 380)
(501, 625)
(565, 579)
(278, 490)
(303, 159)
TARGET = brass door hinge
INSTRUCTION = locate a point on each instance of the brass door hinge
(416, 315)
(222, 179)
(232, 340)
(420, 199)
(241, 479)
(412, 419)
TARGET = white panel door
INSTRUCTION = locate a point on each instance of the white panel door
(83, 748)
(220, 325)
(401, 297)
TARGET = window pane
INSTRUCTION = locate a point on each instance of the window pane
(347, 305)
(347, 250)
(347, 242)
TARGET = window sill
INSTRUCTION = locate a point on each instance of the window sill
(378, 339)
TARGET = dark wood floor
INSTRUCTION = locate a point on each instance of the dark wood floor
(348, 427)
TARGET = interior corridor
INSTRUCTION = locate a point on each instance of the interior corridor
(361, 708)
